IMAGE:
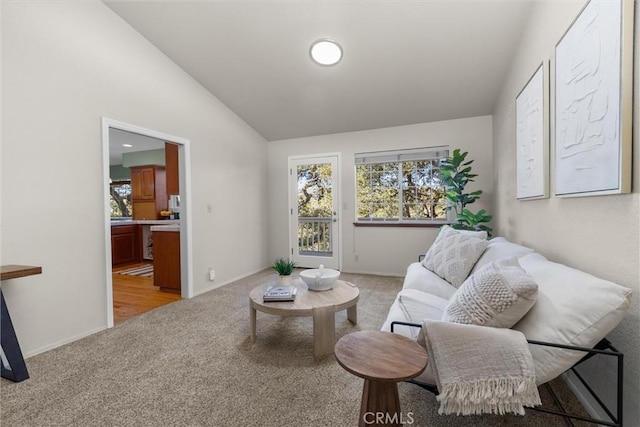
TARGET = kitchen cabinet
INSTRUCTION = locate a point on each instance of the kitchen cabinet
(125, 244)
(166, 258)
(143, 183)
(171, 162)
(148, 191)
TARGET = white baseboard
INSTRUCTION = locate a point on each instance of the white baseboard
(373, 273)
(227, 282)
(63, 342)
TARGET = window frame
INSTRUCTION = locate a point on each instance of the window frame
(400, 157)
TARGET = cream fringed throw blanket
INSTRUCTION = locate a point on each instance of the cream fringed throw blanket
(479, 369)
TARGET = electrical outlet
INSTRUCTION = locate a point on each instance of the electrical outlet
(209, 208)
(212, 274)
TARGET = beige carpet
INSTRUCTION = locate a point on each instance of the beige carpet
(191, 364)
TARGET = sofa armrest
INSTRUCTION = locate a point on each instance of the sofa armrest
(397, 322)
(604, 347)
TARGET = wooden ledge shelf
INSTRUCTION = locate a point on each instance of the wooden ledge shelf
(14, 271)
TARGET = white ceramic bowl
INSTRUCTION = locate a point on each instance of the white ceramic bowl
(315, 282)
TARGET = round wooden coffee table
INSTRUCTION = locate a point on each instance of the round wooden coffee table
(383, 359)
(322, 306)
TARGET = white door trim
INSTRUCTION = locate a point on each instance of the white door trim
(184, 159)
(291, 206)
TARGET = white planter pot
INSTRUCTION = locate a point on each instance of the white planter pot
(284, 280)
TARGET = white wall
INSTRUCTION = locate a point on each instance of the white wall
(599, 235)
(381, 250)
(1, 228)
(65, 65)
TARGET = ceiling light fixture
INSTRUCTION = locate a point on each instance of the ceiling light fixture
(127, 145)
(325, 52)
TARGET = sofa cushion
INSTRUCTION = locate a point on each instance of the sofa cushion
(453, 255)
(498, 295)
(572, 308)
(418, 277)
(414, 306)
(500, 248)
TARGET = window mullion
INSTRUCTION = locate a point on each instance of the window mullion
(400, 190)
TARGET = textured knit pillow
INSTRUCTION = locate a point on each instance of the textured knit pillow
(453, 255)
(499, 295)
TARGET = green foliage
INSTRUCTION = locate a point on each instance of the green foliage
(284, 267)
(315, 191)
(468, 220)
(120, 202)
(408, 190)
(377, 190)
(455, 173)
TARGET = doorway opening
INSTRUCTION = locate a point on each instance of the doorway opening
(147, 219)
(314, 199)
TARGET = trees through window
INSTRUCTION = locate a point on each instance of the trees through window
(400, 186)
(120, 199)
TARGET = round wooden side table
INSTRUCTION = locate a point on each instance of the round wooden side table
(382, 359)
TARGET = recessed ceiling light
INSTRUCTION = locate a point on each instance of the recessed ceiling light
(127, 145)
(325, 52)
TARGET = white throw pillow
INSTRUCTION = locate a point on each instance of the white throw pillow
(498, 295)
(473, 233)
(453, 255)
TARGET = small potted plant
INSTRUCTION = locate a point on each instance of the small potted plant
(284, 268)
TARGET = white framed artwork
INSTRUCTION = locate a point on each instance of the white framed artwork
(532, 137)
(593, 101)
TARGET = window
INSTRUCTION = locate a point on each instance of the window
(400, 186)
(120, 199)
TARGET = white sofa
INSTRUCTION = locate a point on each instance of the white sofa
(572, 307)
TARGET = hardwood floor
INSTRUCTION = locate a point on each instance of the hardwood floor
(133, 295)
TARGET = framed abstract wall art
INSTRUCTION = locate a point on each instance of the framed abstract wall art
(532, 137)
(593, 101)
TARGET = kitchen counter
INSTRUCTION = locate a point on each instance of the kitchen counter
(117, 222)
(169, 227)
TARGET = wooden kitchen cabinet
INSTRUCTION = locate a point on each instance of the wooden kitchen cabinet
(143, 183)
(166, 260)
(125, 244)
(172, 166)
(148, 191)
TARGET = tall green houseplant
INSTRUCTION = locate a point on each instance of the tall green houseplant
(455, 173)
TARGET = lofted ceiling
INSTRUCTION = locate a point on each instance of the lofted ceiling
(404, 62)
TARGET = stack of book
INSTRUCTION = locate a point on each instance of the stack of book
(279, 293)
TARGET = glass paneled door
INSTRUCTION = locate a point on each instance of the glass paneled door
(314, 225)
